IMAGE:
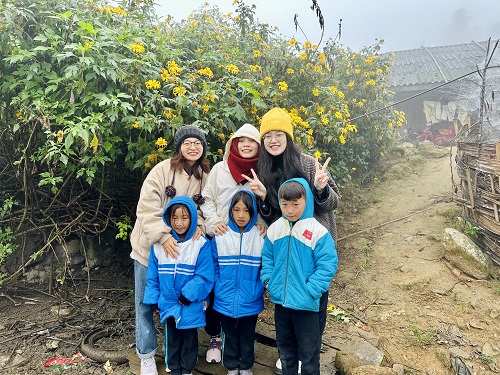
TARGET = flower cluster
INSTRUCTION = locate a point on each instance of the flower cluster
(137, 47)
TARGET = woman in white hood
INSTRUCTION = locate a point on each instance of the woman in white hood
(225, 179)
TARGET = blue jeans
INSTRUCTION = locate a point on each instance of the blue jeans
(145, 331)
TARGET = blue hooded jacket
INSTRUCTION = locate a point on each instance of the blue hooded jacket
(299, 259)
(191, 273)
(237, 258)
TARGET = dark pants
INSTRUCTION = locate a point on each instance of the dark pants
(323, 305)
(238, 342)
(298, 336)
(181, 352)
(212, 317)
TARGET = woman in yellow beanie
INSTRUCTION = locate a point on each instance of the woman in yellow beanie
(280, 160)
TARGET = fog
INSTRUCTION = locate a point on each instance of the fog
(405, 24)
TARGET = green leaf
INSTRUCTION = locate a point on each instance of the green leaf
(87, 27)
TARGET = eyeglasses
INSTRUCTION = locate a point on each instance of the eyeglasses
(189, 143)
(279, 136)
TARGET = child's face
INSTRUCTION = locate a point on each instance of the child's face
(180, 220)
(247, 147)
(293, 209)
(240, 214)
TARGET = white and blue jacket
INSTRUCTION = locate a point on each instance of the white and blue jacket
(299, 259)
(191, 273)
(237, 258)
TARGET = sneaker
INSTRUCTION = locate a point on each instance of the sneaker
(148, 366)
(168, 370)
(233, 372)
(246, 372)
(278, 370)
(214, 350)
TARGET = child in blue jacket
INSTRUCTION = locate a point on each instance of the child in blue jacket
(180, 285)
(238, 289)
(298, 261)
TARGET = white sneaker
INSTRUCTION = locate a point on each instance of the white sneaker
(148, 366)
(278, 369)
(233, 372)
(246, 372)
(214, 350)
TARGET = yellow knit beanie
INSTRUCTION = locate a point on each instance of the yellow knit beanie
(276, 119)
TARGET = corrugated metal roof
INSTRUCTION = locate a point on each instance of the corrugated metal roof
(436, 65)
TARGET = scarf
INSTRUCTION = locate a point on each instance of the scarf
(238, 165)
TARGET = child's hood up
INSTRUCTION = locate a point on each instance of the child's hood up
(309, 209)
(253, 218)
(191, 206)
(247, 130)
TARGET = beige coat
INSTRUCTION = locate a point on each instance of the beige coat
(149, 227)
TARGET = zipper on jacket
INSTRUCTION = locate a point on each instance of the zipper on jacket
(287, 262)
(236, 295)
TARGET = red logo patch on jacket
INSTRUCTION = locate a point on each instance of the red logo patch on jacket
(308, 234)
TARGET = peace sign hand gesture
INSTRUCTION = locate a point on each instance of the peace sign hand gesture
(321, 175)
(256, 186)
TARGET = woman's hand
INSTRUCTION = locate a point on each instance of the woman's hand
(321, 175)
(256, 186)
(170, 247)
(262, 230)
(197, 234)
(220, 229)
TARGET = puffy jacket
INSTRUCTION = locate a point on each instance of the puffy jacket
(299, 259)
(237, 258)
(221, 186)
(191, 273)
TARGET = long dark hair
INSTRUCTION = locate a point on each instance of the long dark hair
(274, 170)
(178, 163)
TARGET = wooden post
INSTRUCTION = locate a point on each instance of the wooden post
(469, 185)
(492, 184)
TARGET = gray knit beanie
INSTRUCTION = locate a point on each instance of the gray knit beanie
(189, 131)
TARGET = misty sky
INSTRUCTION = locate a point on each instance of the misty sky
(403, 24)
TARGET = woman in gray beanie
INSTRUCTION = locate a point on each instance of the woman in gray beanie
(185, 173)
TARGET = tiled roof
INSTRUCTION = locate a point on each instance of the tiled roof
(434, 65)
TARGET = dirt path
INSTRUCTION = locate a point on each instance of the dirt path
(421, 308)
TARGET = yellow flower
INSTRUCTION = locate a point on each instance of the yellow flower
(340, 94)
(324, 120)
(290, 71)
(179, 91)
(136, 125)
(320, 110)
(160, 150)
(256, 36)
(322, 58)
(303, 109)
(219, 38)
(255, 68)
(192, 24)
(256, 53)
(353, 168)
(303, 55)
(137, 47)
(147, 165)
(60, 136)
(168, 113)
(205, 107)
(206, 72)
(315, 91)
(232, 69)
(314, 46)
(342, 139)
(219, 151)
(164, 75)
(173, 68)
(370, 82)
(161, 142)
(332, 89)
(338, 115)
(307, 44)
(268, 79)
(292, 42)
(19, 115)
(152, 158)
(283, 86)
(317, 154)
(318, 68)
(222, 136)
(350, 84)
(152, 84)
